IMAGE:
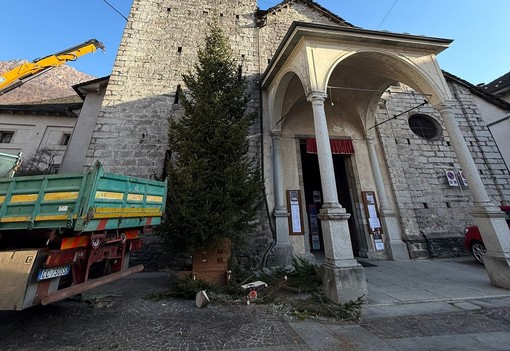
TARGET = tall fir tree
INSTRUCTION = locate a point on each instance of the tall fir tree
(215, 186)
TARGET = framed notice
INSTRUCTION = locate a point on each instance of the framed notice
(374, 221)
(296, 216)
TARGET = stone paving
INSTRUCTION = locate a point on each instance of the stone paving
(126, 321)
(118, 317)
(483, 320)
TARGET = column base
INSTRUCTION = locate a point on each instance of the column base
(395, 247)
(498, 269)
(283, 251)
(398, 250)
(344, 284)
(283, 254)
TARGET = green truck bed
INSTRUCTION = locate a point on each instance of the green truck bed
(86, 202)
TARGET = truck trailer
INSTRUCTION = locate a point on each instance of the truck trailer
(63, 234)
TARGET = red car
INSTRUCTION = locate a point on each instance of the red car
(473, 239)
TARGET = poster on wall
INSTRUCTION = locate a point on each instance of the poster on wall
(374, 221)
(294, 206)
(378, 241)
(314, 227)
(317, 198)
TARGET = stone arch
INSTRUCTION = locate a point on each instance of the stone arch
(279, 93)
(376, 70)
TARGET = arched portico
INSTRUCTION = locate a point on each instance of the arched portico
(349, 69)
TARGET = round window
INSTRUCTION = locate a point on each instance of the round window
(424, 126)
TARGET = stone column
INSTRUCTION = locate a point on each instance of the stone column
(283, 248)
(343, 277)
(489, 218)
(391, 227)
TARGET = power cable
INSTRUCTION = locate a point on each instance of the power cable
(387, 13)
(400, 114)
(115, 9)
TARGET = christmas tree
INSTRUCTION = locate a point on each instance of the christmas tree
(215, 186)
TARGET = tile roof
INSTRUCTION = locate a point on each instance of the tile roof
(501, 83)
(479, 91)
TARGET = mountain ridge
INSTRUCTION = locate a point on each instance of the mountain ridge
(51, 85)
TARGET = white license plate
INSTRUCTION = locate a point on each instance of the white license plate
(49, 273)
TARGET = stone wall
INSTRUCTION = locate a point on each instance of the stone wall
(277, 22)
(434, 214)
(159, 45)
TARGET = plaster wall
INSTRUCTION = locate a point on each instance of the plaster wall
(74, 157)
(32, 133)
(498, 123)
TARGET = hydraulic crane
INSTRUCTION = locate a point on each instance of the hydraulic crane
(29, 70)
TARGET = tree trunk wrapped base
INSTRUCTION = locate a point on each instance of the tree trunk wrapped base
(211, 264)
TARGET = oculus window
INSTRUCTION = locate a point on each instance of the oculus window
(424, 126)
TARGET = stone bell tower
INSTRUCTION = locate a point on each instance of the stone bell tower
(159, 44)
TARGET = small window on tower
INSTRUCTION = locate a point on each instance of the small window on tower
(64, 140)
(6, 136)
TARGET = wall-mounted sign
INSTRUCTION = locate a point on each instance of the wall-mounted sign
(374, 222)
(294, 207)
(463, 178)
(455, 178)
(452, 178)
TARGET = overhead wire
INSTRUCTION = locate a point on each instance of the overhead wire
(387, 13)
(115, 10)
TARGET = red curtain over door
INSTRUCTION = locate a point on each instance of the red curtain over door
(338, 146)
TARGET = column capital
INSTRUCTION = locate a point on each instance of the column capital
(275, 133)
(370, 139)
(446, 106)
(317, 97)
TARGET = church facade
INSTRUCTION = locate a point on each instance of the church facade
(368, 148)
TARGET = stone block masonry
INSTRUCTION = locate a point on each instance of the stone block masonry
(159, 45)
(434, 214)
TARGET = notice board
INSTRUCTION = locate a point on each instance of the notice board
(296, 215)
(374, 220)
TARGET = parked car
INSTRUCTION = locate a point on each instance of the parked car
(473, 239)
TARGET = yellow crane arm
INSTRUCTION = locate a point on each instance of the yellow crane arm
(26, 71)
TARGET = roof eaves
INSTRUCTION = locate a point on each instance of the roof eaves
(477, 90)
(78, 90)
(500, 83)
(66, 110)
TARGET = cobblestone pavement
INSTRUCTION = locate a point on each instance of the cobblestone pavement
(123, 320)
(117, 317)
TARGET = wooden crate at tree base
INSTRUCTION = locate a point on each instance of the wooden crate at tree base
(211, 264)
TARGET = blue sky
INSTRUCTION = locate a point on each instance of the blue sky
(480, 51)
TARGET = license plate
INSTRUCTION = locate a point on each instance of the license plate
(49, 273)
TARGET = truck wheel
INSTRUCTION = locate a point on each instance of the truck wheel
(478, 250)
